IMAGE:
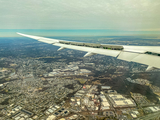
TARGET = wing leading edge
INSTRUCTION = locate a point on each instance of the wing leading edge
(148, 55)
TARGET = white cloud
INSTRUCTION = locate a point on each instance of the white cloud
(72, 14)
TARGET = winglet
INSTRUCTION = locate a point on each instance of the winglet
(20, 33)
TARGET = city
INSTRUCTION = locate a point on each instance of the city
(79, 60)
(32, 89)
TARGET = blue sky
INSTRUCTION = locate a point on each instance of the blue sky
(131, 16)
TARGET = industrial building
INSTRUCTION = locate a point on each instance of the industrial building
(104, 102)
(120, 101)
(105, 87)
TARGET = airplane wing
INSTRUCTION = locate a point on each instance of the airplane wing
(148, 55)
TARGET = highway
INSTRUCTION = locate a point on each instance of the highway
(152, 116)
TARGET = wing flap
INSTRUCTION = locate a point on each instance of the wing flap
(150, 60)
(146, 59)
(127, 56)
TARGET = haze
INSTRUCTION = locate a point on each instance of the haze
(114, 15)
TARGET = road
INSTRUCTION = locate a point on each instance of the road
(151, 116)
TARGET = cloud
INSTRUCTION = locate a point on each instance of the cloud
(80, 14)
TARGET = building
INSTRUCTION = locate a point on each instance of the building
(120, 101)
(104, 102)
(51, 117)
(105, 87)
(84, 71)
(154, 109)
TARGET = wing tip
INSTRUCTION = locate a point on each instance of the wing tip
(19, 33)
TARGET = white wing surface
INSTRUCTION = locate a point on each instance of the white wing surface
(148, 55)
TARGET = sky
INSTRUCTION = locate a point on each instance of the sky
(115, 15)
